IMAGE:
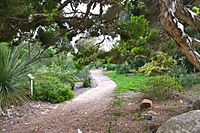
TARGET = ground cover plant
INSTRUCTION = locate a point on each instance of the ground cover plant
(125, 83)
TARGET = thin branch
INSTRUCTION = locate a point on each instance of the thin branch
(64, 5)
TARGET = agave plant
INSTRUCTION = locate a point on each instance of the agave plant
(13, 66)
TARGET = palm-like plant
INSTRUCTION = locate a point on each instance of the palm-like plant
(13, 67)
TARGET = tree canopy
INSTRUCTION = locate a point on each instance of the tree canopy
(52, 21)
(71, 17)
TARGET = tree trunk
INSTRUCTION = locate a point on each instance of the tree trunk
(171, 10)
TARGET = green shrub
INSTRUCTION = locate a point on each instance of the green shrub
(152, 69)
(178, 70)
(87, 82)
(64, 76)
(160, 64)
(137, 26)
(189, 80)
(123, 69)
(110, 67)
(137, 61)
(84, 76)
(50, 89)
(162, 87)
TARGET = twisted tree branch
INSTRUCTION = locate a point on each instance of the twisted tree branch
(170, 12)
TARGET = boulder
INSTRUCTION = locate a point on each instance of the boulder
(146, 103)
(78, 85)
(184, 123)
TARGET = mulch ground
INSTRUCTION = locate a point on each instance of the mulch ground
(119, 117)
(124, 108)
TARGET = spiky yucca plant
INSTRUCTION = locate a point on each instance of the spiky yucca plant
(13, 67)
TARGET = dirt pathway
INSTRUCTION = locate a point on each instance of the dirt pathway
(87, 113)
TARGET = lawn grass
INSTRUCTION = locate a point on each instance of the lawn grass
(136, 83)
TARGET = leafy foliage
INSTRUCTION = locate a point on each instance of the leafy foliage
(196, 10)
(84, 76)
(123, 69)
(137, 43)
(162, 87)
(49, 88)
(189, 80)
(178, 70)
(85, 54)
(110, 66)
(160, 64)
(135, 27)
(136, 7)
(55, 71)
(56, 77)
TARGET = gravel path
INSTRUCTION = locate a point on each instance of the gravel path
(87, 113)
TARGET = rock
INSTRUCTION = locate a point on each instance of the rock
(184, 123)
(148, 117)
(146, 103)
(78, 85)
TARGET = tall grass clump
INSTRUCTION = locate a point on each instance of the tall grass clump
(13, 66)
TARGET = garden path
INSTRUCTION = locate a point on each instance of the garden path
(86, 113)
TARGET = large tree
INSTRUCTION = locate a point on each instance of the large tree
(172, 15)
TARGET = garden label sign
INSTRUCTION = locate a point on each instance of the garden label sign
(31, 83)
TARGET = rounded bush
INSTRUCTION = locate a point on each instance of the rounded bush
(162, 87)
(122, 69)
(189, 80)
(50, 89)
(160, 64)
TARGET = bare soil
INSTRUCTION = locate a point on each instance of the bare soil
(123, 114)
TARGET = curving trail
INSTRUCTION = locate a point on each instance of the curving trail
(86, 113)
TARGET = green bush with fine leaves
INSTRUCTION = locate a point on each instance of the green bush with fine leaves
(189, 80)
(162, 87)
(50, 89)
